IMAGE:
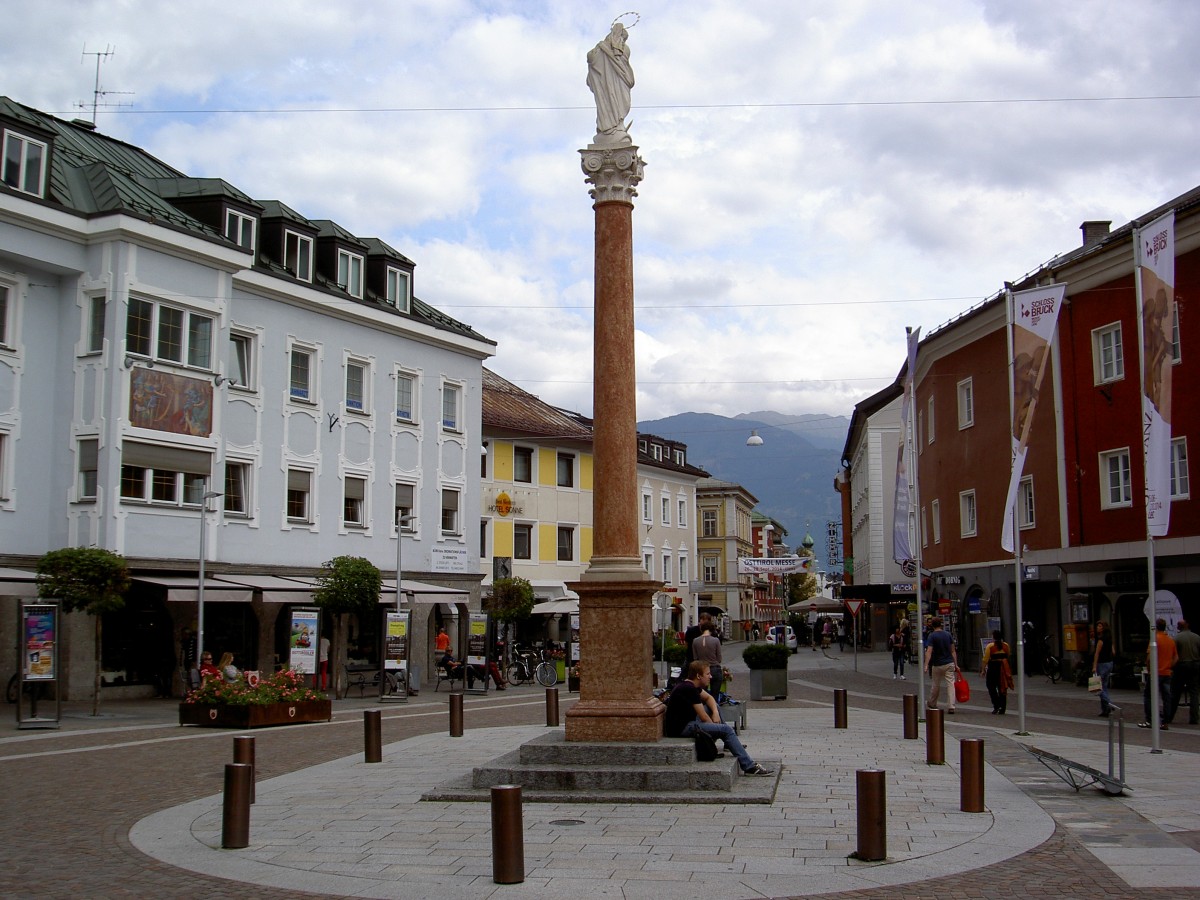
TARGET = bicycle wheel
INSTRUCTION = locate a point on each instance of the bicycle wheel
(517, 674)
(546, 675)
(10, 693)
(1050, 668)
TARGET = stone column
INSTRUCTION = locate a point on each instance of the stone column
(615, 607)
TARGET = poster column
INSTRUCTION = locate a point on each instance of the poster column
(37, 652)
(396, 631)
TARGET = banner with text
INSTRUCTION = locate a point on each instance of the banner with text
(901, 550)
(1156, 309)
(775, 565)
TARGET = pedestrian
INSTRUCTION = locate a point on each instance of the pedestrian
(692, 708)
(1167, 655)
(207, 669)
(941, 661)
(227, 669)
(1186, 677)
(441, 643)
(693, 632)
(707, 648)
(323, 659)
(997, 672)
(841, 635)
(1102, 665)
(906, 630)
(899, 653)
(826, 634)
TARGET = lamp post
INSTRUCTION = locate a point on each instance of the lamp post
(401, 521)
(208, 495)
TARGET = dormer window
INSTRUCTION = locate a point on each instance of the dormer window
(398, 289)
(297, 255)
(349, 274)
(239, 228)
(24, 164)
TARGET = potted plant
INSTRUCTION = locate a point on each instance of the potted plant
(768, 670)
(573, 679)
(252, 702)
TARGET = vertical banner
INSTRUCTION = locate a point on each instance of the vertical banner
(477, 640)
(901, 550)
(395, 640)
(303, 640)
(1032, 316)
(1156, 315)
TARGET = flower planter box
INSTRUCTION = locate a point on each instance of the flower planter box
(262, 715)
(767, 684)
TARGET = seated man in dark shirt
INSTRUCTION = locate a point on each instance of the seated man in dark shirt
(691, 707)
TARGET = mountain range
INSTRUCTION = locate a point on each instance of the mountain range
(791, 473)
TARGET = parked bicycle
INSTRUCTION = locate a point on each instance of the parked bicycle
(1051, 667)
(528, 666)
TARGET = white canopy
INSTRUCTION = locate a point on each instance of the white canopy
(556, 607)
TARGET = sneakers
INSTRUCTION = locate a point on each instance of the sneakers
(1143, 724)
(902, 678)
(894, 676)
(950, 710)
(756, 769)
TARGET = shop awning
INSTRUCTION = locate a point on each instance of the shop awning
(18, 583)
(420, 592)
(182, 589)
(555, 607)
(552, 590)
(274, 588)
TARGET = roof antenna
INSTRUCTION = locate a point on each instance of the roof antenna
(97, 92)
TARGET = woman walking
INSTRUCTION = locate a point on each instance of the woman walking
(998, 673)
(899, 648)
(1102, 665)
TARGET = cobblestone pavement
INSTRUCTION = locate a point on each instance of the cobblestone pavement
(68, 799)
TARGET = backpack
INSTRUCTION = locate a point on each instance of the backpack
(706, 746)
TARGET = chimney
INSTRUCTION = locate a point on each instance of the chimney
(1094, 232)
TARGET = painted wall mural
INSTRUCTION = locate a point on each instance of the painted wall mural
(166, 402)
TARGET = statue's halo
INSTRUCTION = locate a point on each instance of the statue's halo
(637, 17)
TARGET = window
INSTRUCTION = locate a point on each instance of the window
(356, 386)
(300, 374)
(656, 451)
(708, 522)
(241, 359)
(405, 392)
(666, 567)
(3, 466)
(349, 274)
(647, 510)
(665, 511)
(450, 402)
(1025, 508)
(95, 329)
(403, 506)
(237, 488)
(397, 289)
(523, 465)
(1114, 479)
(684, 574)
(155, 473)
(239, 228)
(89, 449)
(648, 563)
(1107, 355)
(450, 511)
(522, 541)
(566, 543)
(4, 306)
(182, 337)
(566, 470)
(354, 501)
(299, 492)
(929, 421)
(1179, 469)
(483, 533)
(677, 456)
(1176, 352)
(24, 164)
(710, 570)
(924, 532)
(966, 513)
(681, 519)
(937, 522)
(966, 404)
(919, 430)
(297, 255)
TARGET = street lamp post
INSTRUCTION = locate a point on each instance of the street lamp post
(401, 521)
(208, 495)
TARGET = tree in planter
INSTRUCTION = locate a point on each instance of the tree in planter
(511, 600)
(88, 579)
(347, 584)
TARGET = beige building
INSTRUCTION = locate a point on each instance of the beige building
(724, 510)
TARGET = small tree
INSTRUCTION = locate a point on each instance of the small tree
(347, 584)
(511, 600)
(88, 579)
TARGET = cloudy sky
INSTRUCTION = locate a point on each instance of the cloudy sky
(819, 175)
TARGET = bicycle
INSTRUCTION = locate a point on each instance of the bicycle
(1051, 667)
(526, 668)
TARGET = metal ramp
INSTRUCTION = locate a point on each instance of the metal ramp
(1077, 775)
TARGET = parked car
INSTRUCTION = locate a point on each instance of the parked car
(782, 635)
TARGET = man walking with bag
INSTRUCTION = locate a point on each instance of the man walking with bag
(941, 661)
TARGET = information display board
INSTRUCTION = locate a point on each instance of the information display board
(303, 640)
(395, 641)
(37, 654)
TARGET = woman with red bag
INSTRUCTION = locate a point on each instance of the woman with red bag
(997, 672)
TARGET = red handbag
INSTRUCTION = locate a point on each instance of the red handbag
(962, 689)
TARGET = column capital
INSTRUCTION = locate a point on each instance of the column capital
(614, 172)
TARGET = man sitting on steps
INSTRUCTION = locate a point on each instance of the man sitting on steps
(691, 707)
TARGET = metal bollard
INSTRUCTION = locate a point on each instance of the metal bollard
(872, 814)
(456, 714)
(243, 752)
(551, 707)
(970, 752)
(935, 738)
(235, 813)
(508, 835)
(839, 708)
(373, 735)
(910, 717)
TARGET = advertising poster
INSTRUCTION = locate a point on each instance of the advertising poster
(395, 641)
(477, 640)
(38, 630)
(302, 641)
(574, 638)
(1156, 302)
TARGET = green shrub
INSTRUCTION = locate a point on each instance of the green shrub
(766, 656)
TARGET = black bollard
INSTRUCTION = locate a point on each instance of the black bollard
(935, 738)
(970, 752)
(872, 814)
(373, 735)
(235, 813)
(910, 717)
(839, 708)
(508, 835)
(243, 752)
(456, 714)
(551, 707)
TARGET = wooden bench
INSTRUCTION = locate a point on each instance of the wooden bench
(446, 675)
(361, 677)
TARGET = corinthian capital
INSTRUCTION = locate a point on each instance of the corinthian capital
(613, 172)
